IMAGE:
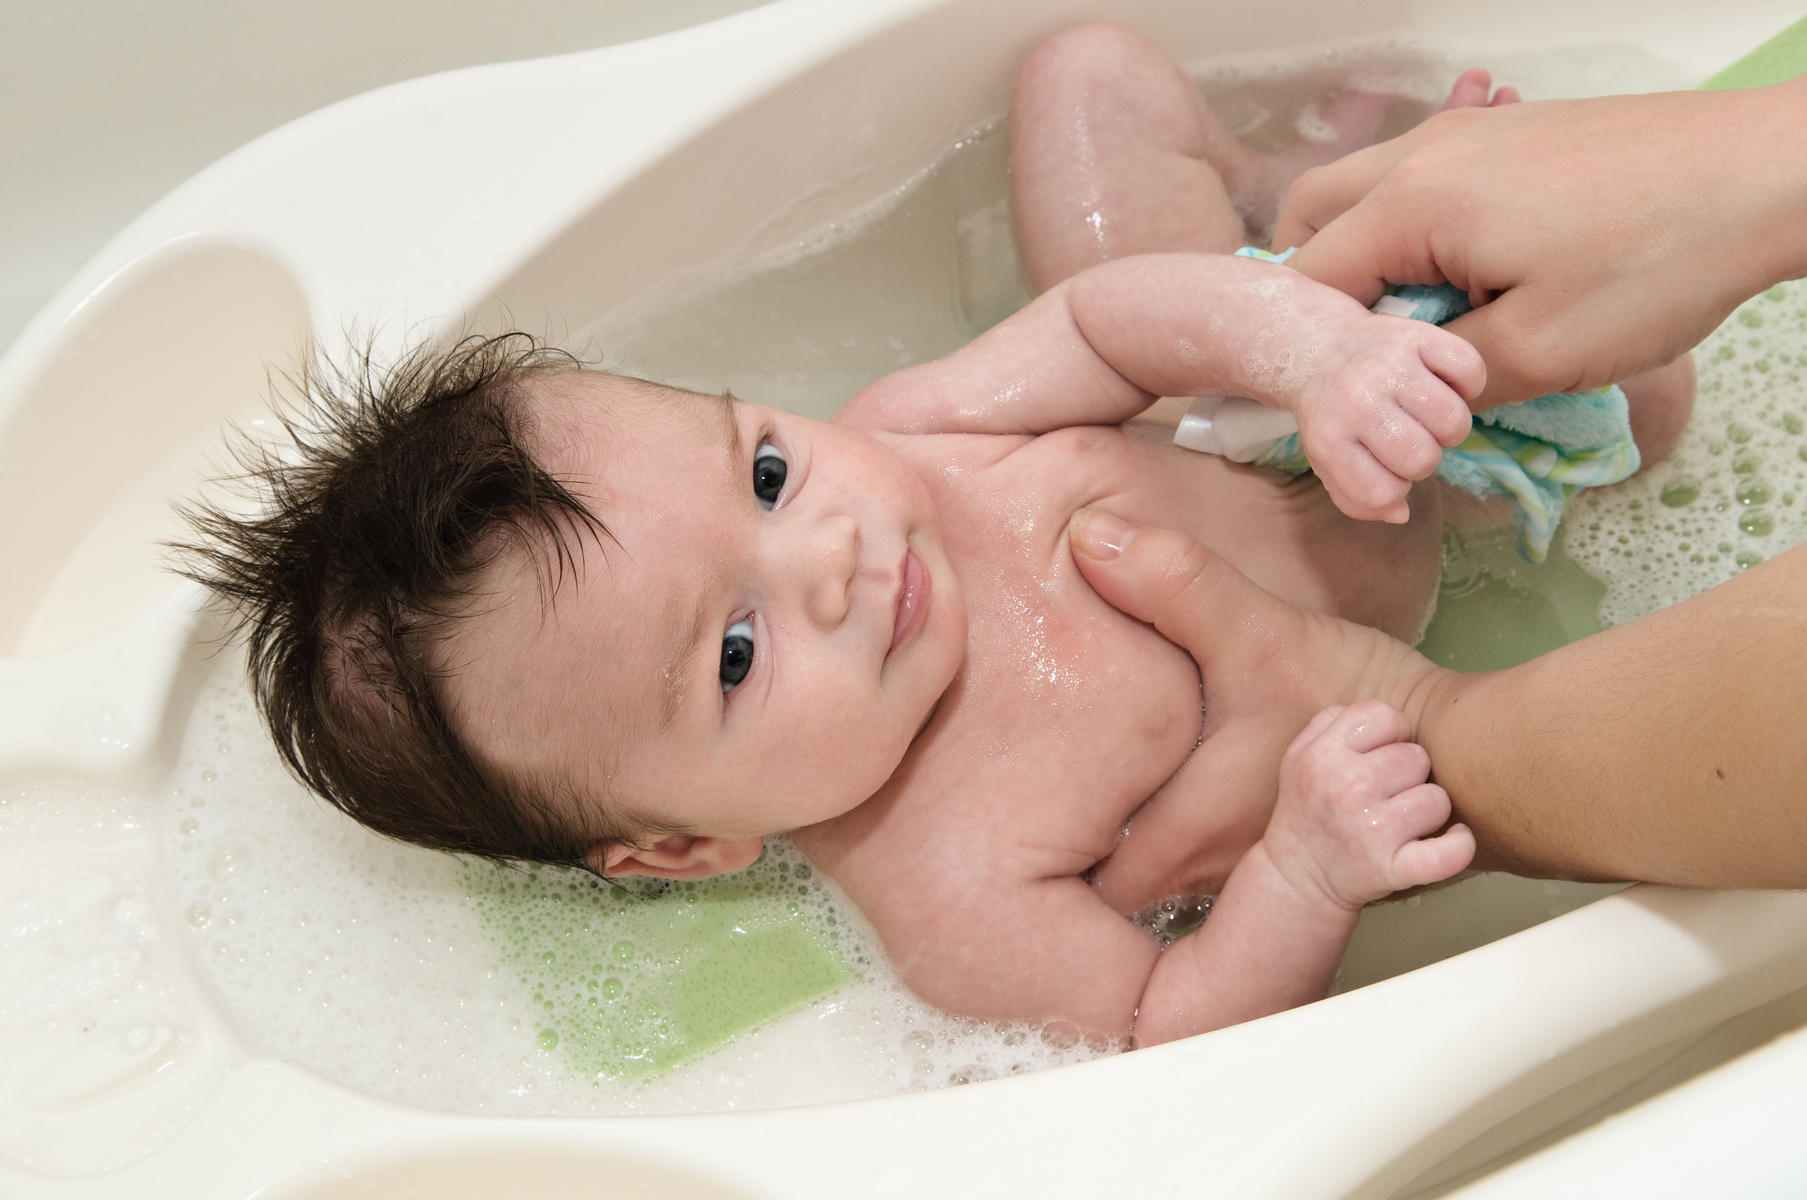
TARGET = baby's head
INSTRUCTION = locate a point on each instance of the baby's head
(507, 606)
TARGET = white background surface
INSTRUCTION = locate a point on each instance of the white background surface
(107, 104)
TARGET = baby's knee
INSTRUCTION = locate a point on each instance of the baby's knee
(1660, 403)
(1084, 55)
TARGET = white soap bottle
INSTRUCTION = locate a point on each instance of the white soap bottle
(1235, 427)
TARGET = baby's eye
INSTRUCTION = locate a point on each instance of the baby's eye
(737, 654)
(769, 470)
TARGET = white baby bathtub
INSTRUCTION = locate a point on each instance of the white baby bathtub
(1418, 1082)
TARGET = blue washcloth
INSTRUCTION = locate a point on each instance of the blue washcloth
(1540, 452)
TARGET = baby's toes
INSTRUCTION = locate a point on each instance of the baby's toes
(1469, 90)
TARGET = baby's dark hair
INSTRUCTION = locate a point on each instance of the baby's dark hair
(406, 484)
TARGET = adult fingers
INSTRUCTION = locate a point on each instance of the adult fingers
(1189, 593)
(1364, 249)
(1524, 359)
(1321, 195)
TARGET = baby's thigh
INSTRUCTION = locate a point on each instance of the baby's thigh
(1113, 152)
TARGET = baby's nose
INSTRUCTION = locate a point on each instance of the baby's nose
(830, 560)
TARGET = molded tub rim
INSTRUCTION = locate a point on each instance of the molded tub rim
(1705, 945)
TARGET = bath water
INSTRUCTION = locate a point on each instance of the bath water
(464, 986)
(438, 983)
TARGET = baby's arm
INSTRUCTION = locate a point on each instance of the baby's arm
(1376, 397)
(1353, 824)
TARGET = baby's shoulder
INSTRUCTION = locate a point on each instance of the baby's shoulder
(949, 836)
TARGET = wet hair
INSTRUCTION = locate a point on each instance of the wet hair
(402, 486)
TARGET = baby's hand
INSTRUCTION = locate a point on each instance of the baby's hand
(1355, 816)
(1383, 400)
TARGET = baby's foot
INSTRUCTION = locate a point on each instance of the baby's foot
(1341, 122)
(1471, 91)
(1660, 401)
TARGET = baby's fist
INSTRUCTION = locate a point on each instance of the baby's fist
(1385, 399)
(1355, 818)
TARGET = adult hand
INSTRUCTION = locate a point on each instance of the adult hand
(1675, 727)
(1267, 667)
(1597, 238)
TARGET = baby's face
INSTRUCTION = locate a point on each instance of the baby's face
(756, 645)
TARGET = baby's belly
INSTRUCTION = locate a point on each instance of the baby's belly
(1282, 531)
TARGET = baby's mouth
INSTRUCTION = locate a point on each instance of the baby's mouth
(912, 600)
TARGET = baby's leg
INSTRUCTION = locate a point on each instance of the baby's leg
(1113, 152)
(1661, 401)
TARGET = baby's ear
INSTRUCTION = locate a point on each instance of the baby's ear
(675, 856)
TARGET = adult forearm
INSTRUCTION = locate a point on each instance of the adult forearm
(1670, 749)
(1765, 200)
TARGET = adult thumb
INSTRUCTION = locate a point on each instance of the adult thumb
(1189, 593)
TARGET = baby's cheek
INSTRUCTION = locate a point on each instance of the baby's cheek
(859, 750)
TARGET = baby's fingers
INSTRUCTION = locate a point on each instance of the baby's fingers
(1362, 487)
(1368, 726)
(1406, 448)
(1313, 729)
(1416, 812)
(1432, 860)
(1450, 357)
(1441, 412)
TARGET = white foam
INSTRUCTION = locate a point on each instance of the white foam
(366, 961)
(1733, 492)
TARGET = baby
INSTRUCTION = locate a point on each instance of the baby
(511, 607)
(1114, 152)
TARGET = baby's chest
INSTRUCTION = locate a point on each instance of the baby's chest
(1133, 470)
(1070, 713)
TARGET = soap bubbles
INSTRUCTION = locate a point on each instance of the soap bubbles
(1733, 493)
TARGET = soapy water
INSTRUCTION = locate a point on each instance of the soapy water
(458, 985)
(935, 263)
(438, 983)
(107, 1046)
(1733, 493)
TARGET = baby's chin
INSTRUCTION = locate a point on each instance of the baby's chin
(879, 770)
(928, 719)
